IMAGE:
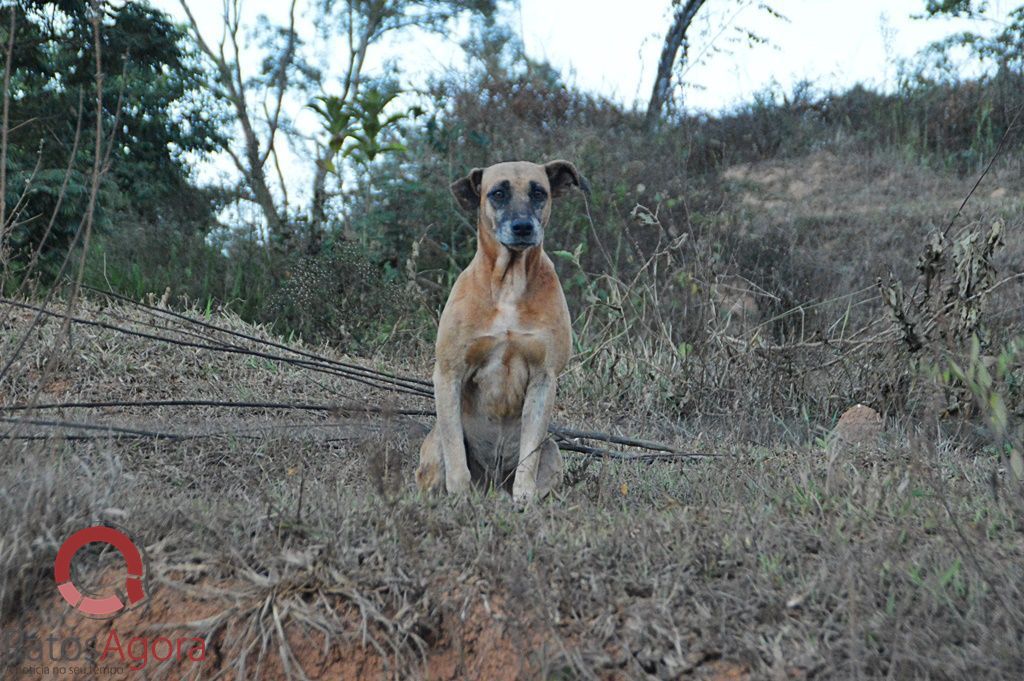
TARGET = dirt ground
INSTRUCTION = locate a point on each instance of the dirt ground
(297, 546)
(272, 495)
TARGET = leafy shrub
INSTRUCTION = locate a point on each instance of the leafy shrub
(339, 296)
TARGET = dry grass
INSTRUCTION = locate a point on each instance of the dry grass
(304, 550)
(294, 544)
(801, 331)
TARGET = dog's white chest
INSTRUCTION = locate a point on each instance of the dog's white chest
(499, 360)
(506, 318)
(499, 373)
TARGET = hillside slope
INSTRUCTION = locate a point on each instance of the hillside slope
(291, 541)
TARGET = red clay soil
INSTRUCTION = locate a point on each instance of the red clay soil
(475, 639)
(110, 648)
(476, 645)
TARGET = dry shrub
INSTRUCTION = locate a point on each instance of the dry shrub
(657, 348)
(45, 498)
(338, 296)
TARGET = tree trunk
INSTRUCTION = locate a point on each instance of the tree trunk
(675, 41)
(253, 168)
(276, 225)
(318, 212)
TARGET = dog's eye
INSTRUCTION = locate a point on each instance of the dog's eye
(538, 195)
(498, 194)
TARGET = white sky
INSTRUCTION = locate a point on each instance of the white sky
(829, 42)
(612, 48)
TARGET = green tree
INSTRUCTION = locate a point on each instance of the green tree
(1002, 48)
(260, 102)
(956, 8)
(155, 113)
(365, 24)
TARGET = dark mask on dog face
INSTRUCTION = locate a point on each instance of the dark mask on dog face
(514, 199)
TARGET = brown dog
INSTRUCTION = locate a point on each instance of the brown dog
(503, 338)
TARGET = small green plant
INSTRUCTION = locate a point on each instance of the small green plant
(991, 380)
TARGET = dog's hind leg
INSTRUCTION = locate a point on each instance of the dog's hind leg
(550, 469)
(430, 473)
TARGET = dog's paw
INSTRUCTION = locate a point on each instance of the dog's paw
(523, 497)
(456, 483)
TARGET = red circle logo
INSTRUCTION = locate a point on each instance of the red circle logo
(109, 605)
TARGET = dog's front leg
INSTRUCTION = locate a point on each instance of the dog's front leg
(448, 398)
(540, 394)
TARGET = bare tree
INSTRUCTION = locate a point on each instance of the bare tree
(257, 145)
(675, 49)
(360, 24)
(675, 41)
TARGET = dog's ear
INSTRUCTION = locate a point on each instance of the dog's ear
(466, 190)
(562, 176)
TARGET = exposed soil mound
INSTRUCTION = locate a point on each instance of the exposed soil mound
(859, 426)
(197, 631)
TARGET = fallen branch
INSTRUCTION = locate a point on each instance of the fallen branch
(360, 375)
(112, 432)
(339, 409)
(564, 436)
(630, 456)
(369, 377)
(109, 432)
(565, 433)
(254, 339)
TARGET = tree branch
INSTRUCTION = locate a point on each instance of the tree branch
(675, 41)
(281, 83)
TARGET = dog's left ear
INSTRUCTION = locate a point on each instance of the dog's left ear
(562, 176)
(466, 190)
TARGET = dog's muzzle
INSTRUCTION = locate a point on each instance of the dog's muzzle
(520, 234)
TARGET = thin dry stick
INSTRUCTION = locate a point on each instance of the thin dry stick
(317, 362)
(371, 380)
(963, 204)
(340, 409)
(112, 432)
(3, 142)
(627, 456)
(60, 195)
(254, 339)
(564, 435)
(991, 161)
(22, 201)
(563, 432)
(100, 166)
(97, 169)
(85, 225)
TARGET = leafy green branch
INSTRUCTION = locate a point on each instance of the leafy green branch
(360, 130)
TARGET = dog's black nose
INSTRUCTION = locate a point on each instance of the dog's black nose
(522, 228)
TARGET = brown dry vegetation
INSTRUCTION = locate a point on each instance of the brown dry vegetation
(294, 544)
(737, 281)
